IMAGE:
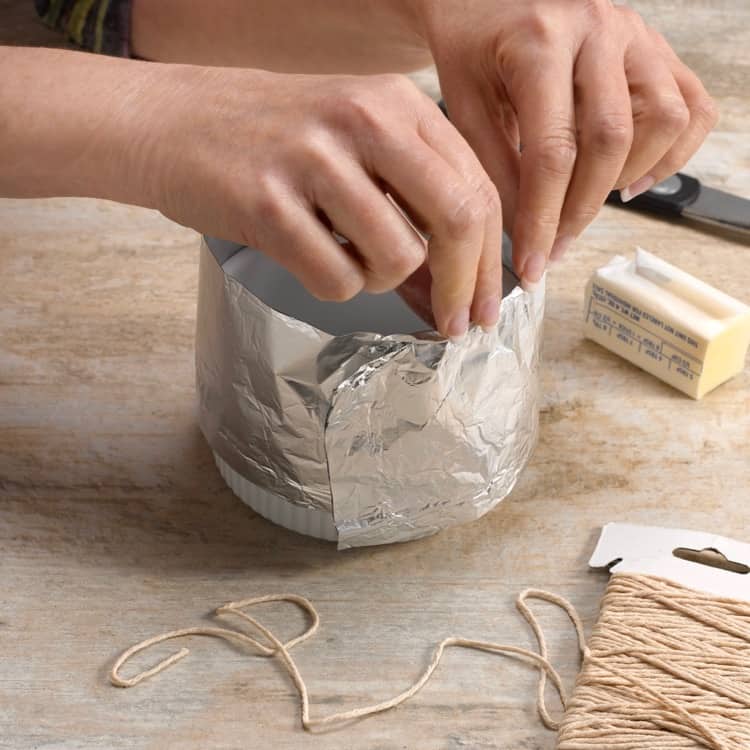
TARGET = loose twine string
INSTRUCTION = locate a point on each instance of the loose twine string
(666, 668)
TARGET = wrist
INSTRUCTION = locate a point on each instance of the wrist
(70, 125)
(186, 115)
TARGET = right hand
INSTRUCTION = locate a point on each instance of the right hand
(278, 161)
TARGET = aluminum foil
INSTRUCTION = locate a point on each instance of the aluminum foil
(397, 435)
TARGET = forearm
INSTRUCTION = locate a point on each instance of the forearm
(73, 123)
(315, 36)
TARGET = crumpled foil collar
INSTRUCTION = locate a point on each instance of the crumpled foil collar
(396, 435)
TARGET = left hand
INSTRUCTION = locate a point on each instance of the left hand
(563, 100)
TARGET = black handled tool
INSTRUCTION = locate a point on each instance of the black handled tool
(680, 196)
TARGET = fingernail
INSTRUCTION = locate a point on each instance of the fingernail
(638, 187)
(560, 247)
(489, 313)
(458, 325)
(534, 268)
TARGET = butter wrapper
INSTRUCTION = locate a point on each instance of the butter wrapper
(665, 321)
(354, 411)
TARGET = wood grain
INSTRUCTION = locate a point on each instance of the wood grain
(115, 525)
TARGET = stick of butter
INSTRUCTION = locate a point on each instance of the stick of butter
(667, 322)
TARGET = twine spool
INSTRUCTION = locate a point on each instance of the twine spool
(666, 668)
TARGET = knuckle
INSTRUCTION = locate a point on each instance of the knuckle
(672, 113)
(269, 200)
(596, 10)
(361, 110)
(397, 84)
(368, 104)
(631, 16)
(541, 27)
(585, 214)
(337, 107)
(397, 269)
(706, 112)
(337, 287)
(490, 198)
(393, 270)
(404, 264)
(431, 121)
(491, 271)
(611, 135)
(545, 220)
(468, 210)
(376, 284)
(556, 152)
(315, 153)
(542, 219)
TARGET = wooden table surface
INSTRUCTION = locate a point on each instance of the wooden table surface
(115, 525)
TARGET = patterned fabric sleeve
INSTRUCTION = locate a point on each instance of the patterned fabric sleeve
(96, 25)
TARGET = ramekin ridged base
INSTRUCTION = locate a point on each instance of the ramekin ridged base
(307, 521)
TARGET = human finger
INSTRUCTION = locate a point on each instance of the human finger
(605, 131)
(388, 248)
(660, 114)
(294, 236)
(443, 136)
(703, 115)
(452, 211)
(546, 119)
